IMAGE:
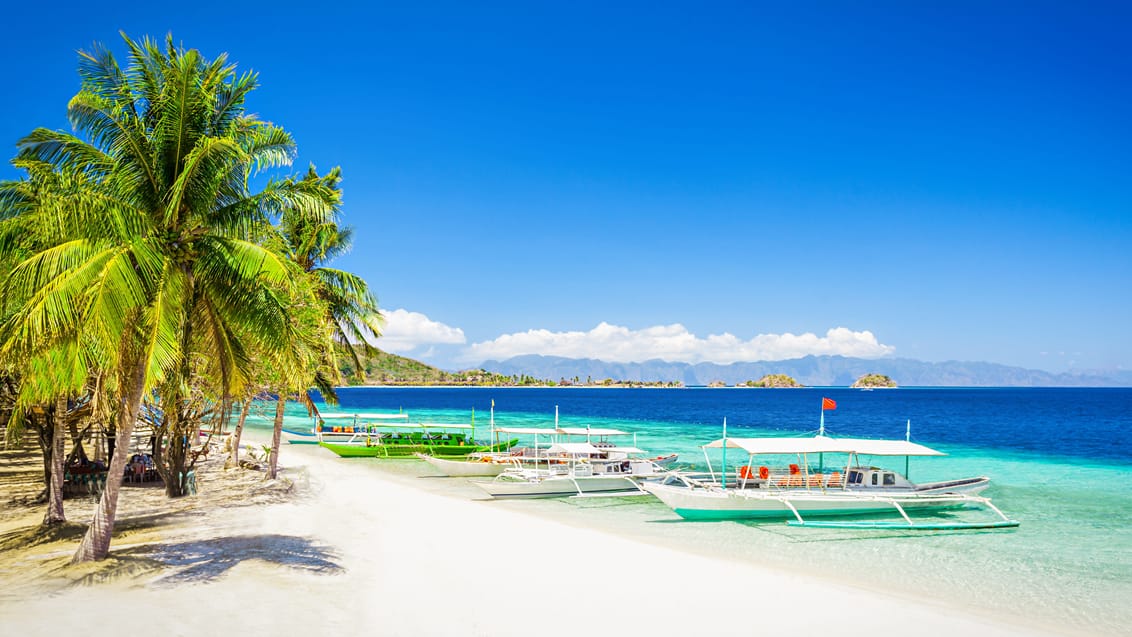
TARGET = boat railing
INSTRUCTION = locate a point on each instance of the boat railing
(776, 480)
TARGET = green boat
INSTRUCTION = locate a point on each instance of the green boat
(402, 439)
(406, 448)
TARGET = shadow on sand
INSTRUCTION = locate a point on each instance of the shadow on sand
(208, 560)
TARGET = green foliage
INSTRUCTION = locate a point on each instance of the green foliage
(773, 380)
(382, 368)
(139, 257)
(873, 380)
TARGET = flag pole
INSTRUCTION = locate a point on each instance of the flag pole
(907, 438)
(825, 403)
(723, 468)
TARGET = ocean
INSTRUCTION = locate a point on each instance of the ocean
(1060, 462)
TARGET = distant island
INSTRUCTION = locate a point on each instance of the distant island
(772, 380)
(813, 371)
(390, 369)
(871, 381)
(809, 371)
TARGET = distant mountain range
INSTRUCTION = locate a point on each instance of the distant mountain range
(810, 370)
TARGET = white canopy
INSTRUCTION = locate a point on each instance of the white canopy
(536, 431)
(365, 416)
(825, 444)
(591, 431)
(621, 449)
(445, 425)
(574, 448)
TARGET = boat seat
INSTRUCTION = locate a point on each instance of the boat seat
(834, 480)
(815, 480)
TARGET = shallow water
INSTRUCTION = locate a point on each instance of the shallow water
(1069, 565)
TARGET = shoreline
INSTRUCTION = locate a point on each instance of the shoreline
(356, 550)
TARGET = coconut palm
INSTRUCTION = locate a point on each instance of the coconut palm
(341, 302)
(41, 383)
(150, 239)
(351, 310)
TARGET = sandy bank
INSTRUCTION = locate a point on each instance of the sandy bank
(356, 552)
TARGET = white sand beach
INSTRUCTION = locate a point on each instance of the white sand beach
(359, 553)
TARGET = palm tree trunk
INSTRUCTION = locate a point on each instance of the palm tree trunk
(276, 434)
(54, 513)
(234, 456)
(96, 542)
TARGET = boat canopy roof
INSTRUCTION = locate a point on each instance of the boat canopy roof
(569, 431)
(591, 431)
(445, 425)
(574, 448)
(536, 431)
(366, 416)
(825, 444)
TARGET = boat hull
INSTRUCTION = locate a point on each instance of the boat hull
(362, 450)
(754, 504)
(558, 486)
(300, 437)
(465, 468)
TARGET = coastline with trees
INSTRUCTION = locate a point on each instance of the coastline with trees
(159, 269)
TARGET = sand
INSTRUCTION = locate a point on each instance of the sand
(343, 550)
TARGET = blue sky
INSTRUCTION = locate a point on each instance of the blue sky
(690, 181)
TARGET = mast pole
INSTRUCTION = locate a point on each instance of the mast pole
(723, 467)
(907, 438)
(821, 432)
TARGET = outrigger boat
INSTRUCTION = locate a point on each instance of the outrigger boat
(494, 463)
(329, 432)
(566, 468)
(477, 464)
(367, 439)
(798, 492)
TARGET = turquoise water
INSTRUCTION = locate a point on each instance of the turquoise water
(1069, 565)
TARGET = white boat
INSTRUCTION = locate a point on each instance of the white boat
(349, 428)
(801, 491)
(476, 465)
(574, 469)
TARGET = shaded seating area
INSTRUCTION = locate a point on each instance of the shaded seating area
(140, 468)
(84, 478)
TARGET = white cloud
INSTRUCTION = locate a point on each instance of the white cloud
(675, 343)
(405, 331)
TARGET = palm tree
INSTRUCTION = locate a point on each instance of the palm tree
(351, 310)
(342, 302)
(147, 256)
(41, 382)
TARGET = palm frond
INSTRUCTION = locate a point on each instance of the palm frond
(64, 150)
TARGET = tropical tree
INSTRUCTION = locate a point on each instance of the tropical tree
(38, 385)
(349, 307)
(341, 304)
(152, 240)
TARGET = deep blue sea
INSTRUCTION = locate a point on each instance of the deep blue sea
(1060, 461)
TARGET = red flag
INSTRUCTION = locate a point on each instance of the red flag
(828, 403)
